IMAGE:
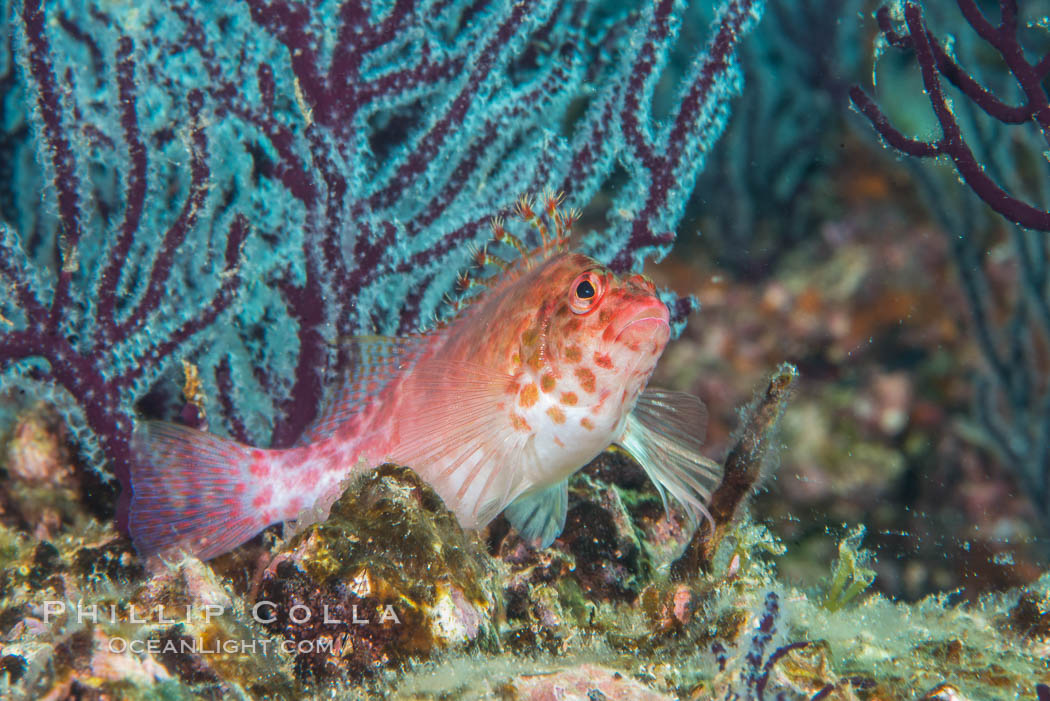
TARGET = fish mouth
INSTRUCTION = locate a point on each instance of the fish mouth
(646, 323)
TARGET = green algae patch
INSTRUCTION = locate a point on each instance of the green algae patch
(852, 574)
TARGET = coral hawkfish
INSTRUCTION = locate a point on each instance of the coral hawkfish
(531, 379)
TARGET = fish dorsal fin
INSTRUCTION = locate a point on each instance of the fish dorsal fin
(462, 440)
(540, 516)
(664, 433)
(543, 215)
(376, 361)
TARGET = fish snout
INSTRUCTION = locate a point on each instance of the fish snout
(648, 327)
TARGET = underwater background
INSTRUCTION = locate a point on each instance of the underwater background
(845, 204)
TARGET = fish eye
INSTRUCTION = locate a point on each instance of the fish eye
(585, 292)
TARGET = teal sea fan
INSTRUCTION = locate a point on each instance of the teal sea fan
(241, 185)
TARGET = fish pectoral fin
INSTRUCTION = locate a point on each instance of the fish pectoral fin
(679, 416)
(460, 439)
(664, 433)
(540, 516)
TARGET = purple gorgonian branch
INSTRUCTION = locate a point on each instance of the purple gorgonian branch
(937, 62)
(240, 186)
(86, 336)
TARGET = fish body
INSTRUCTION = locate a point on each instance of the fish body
(495, 410)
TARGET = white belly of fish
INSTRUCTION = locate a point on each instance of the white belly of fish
(568, 437)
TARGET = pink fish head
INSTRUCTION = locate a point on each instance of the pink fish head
(586, 342)
(617, 327)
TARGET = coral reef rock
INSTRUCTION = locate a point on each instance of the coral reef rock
(388, 577)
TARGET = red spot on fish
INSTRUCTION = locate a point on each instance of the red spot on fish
(569, 398)
(573, 354)
(586, 378)
(262, 499)
(587, 423)
(603, 360)
(529, 395)
(519, 423)
(259, 467)
(556, 415)
(547, 382)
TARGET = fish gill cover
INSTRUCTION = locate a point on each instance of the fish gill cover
(240, 185)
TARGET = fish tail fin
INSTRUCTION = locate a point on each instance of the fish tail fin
(196, 491)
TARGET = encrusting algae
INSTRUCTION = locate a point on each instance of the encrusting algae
(389, 576)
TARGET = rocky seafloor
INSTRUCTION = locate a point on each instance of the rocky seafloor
(389, 597)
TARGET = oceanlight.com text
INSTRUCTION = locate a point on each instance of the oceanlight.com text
(227, 647)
